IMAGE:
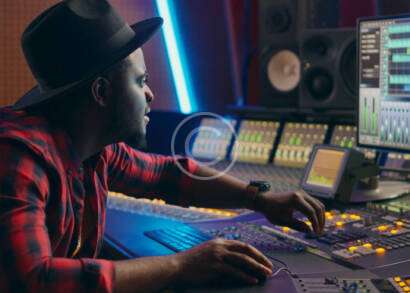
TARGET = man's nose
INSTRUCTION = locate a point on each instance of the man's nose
(149, 96)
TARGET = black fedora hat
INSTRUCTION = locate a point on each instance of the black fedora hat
(73, 41)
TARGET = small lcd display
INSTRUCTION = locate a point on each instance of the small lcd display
(325, 168)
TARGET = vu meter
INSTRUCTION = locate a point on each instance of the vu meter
(333, 172)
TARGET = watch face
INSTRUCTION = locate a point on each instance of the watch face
(261, 185)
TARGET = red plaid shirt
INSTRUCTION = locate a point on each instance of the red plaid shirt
(52, 207)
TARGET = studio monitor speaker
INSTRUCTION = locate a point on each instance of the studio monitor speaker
(280, 25)
(280, 22)
(328, 73)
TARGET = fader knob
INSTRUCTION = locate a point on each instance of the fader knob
(367, 220)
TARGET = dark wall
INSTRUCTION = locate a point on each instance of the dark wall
(204, 33)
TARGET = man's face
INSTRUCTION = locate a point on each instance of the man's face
(131, 97)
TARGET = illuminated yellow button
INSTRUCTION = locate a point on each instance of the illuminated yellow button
(397, 279)
(382, 228)
(367, 245)
(355, 217)
(344, 216)
(380, 250)
(309, 223)
(406, 289)
(339, 224)
(393, 231)
(286, 229)
(402, 284)
(399, 223)
(352, 249)
(328, 214)
(329, 217)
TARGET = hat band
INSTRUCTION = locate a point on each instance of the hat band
(120, 38)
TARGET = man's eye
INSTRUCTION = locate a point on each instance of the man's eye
(143, 81)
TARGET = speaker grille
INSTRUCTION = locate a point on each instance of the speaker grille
(329, 69)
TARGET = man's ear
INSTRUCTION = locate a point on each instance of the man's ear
(101, 88)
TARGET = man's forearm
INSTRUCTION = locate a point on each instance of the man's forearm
(224, 191)
(147, 274)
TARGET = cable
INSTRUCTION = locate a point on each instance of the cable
(279, 261)
(284, 270)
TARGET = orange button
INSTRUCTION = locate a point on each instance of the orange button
(380, 250)
(382, 228)
(352, 249)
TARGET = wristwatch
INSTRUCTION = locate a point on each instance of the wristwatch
(255, 188)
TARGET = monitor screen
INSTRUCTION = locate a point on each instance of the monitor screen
(325, 168)
(384, 83)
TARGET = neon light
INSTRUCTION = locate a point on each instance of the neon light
(176, 58)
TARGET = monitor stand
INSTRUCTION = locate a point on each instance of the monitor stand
(388, 189)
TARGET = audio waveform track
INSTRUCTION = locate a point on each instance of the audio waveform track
(397, 61)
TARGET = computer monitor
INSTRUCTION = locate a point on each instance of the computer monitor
(384, 83)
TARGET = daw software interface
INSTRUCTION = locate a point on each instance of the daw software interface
(384, 79)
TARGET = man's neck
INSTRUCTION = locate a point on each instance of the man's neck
(87, 138)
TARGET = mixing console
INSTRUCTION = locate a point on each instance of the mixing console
(296, 143)
(345, 136)
(281, 178)
(256, 236)
(366, 237)
(255, 141)
(213, 139)
(158, 208)
(375, 237)
(185, 237)
(401, 284)
(341, 285)
(397, 161)
(400, 206)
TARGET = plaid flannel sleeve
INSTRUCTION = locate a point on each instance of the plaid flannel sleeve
(140, 174)
(27, 263)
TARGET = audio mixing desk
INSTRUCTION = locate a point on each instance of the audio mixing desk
(366, 242)
(364, 247)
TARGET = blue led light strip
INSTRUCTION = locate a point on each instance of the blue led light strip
(175, 57)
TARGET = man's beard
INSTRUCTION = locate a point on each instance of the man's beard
(137, 140)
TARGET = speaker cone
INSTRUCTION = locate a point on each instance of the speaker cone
(284, 70)
(277, 20)
(319, 83)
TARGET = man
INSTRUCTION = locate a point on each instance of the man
(62, 150)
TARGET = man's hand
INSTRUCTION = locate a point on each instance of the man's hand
(279, 208)
(222, 261)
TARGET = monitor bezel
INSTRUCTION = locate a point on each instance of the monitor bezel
(330, 193)
(359, 144)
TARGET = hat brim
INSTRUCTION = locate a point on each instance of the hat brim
(143, 32)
